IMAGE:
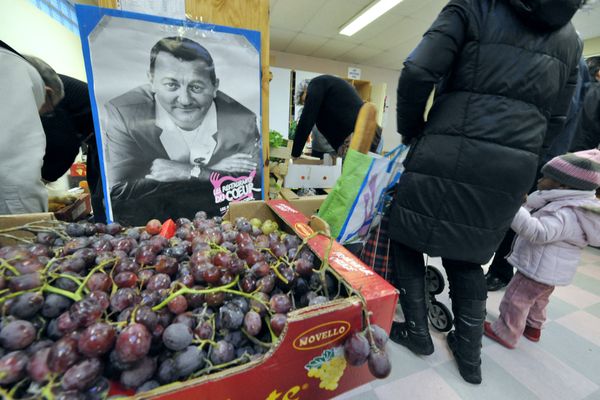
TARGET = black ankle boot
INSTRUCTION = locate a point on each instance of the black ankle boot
(465, 340)
(414, 332)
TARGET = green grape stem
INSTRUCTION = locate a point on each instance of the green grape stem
(5, 264)
(185, 290)
(240, 360)
(254, 340)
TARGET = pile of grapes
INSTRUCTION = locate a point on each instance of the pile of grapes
(85, 304)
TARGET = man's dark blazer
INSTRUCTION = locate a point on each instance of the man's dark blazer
(133, 143)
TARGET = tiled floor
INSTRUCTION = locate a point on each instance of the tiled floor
(564, 365)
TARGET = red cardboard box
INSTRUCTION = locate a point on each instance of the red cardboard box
(313, 335)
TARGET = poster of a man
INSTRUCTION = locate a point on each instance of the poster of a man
(175, 143)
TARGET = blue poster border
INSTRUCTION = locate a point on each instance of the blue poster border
(88, 18)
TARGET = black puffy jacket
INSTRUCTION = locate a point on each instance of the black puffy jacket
(505, 72)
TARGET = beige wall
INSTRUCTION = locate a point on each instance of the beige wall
(373, 74)
(591, 47)
(30, 31)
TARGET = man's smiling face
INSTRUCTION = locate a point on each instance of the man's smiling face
(184, 89)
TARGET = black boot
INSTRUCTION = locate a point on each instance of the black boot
(465, 340)
(414, 332)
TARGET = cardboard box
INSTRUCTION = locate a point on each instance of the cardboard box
(307, 205)
(281, 152)
(312, 173)
(312, 335)
(16, 220)
(80, 208)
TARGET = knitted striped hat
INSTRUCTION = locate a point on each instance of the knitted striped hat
(580, 170)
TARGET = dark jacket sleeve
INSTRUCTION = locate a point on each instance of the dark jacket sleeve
(558, 117)
(426, 65)
(588, 130)
(314, 98)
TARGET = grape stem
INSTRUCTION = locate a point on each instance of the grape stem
(240, 360)
(254, 340)
(185, 290)
(73, 296)
(18, 239)
(275, 269)
(5, 264)
(93, 271)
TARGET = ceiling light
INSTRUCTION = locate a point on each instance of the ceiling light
(367, 16)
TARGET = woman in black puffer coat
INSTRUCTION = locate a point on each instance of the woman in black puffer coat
(505, 71)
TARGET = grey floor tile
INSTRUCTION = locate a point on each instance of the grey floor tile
(370, 395)
(594, 396)
(580, 354)
(404, 363)
(559, 308)
(497, 383)
(588, 283)
(594, 310)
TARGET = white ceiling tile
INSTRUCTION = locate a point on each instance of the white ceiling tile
(405, 29)
(294, 15)
(333, 15)
(333, 48)
(281, 38)
(358, 54)
(587, 23)
(409, 7)
(305, 44)
(378, 26)
(429, 14)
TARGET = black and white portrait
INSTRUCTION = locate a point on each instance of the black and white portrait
(179, 114)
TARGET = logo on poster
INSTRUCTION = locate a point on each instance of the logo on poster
(230, 189)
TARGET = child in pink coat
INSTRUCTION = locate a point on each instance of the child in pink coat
(555, 224)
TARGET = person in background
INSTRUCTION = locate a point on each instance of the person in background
(22, 139)
(69, 125)
(472, 162)
(588, 130)
(500, 271)
(320, 145)
(330, 103)
(555, 224)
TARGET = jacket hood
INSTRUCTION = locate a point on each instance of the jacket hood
(589, 220)
(546, 14)
(583, 202)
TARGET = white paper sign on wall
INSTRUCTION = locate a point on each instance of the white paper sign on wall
(354, 73)
(164, 8)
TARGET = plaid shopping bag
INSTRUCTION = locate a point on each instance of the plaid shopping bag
(376, 252)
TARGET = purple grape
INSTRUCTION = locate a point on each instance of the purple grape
(222, 352)
(82, 375)
(26, 305)
(17, 335)
(188, 361)
(12, 367)
(252, 323)
(136, 376)
(356, 349)
(379, 364)
(177, 337)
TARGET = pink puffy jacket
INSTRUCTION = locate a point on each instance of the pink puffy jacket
(550, 239)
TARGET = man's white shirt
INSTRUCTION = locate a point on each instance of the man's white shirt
(196, 146)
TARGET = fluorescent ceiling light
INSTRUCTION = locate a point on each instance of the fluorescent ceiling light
(367, 16)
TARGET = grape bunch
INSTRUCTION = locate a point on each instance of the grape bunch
(86, 304)
(369, 346)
